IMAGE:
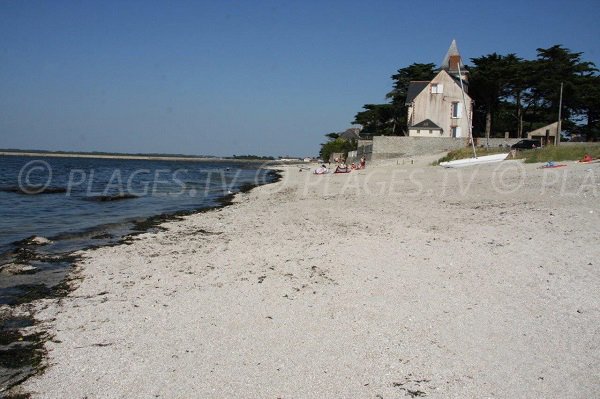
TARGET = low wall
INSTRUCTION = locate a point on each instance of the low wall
(386, 147)
(495, 142)
(364, 149)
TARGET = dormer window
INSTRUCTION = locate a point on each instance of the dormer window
(437, 88)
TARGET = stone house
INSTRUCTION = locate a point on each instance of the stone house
(439, 108)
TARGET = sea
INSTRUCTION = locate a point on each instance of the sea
(78, 203)
(51, 207)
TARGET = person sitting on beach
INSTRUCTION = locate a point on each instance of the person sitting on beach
(342, 169)
(587, 158)
(321, 170)
(352, 166)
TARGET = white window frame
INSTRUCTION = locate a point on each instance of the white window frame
(437, 88)
(456, 131)
(456, 110)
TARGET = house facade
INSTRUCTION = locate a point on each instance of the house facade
(546, 134)
(439, 108)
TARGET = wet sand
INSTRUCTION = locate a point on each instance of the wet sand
(394, 281)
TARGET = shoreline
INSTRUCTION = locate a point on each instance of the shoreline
(333, 286)
(25, 253)
(144, 157)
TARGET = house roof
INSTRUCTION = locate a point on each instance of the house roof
(553, 128)
(426, 124)
(414, 88)
(457, 80)
(452, 59)
(350, 134)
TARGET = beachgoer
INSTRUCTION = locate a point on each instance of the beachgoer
(321, 170)
(363, 162)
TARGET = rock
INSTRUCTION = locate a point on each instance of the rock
(17, 268)
(36, 240)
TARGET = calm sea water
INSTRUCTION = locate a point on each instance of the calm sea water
(71, 200)
(79, 203)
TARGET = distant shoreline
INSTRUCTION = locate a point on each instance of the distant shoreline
(126, 156)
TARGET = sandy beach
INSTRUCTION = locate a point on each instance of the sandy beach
(401, 280)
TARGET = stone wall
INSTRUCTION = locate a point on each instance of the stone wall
(495, 142)
(364, 149)
(386, 147)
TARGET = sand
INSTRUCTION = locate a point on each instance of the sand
(395, 281)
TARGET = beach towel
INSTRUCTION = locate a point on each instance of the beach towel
(340, 170)
(551, 164)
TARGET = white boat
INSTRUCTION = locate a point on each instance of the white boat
(460, 163)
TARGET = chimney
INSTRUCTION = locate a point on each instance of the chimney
(453, 61)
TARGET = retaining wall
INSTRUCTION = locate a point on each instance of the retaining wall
(386, 147)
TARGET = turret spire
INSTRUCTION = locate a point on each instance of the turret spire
(453, 61)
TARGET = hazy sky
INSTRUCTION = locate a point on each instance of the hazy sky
(248, 77)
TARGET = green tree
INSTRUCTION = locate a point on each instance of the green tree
(556, 65)
(489, 83)
(377, 119)
(589, 108)
(520, 74)
(513, 92)
(337, 144)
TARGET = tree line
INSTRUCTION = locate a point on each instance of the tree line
(511, 94)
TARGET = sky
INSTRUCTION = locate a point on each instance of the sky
(239, 77)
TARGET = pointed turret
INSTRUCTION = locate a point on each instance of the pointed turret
(453, 62)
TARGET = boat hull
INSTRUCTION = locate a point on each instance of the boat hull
(461, 163)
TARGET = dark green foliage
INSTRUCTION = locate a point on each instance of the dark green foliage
(589, 108)
(376, 120)
(336, 145)
(413, 72)
(516, 95)
(489, 83)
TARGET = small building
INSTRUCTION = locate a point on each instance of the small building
(546, 134)
(440, 108)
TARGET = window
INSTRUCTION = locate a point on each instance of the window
(418, 131)
(456, 131)
(437, 88)
(430, 131)
(456, 110)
